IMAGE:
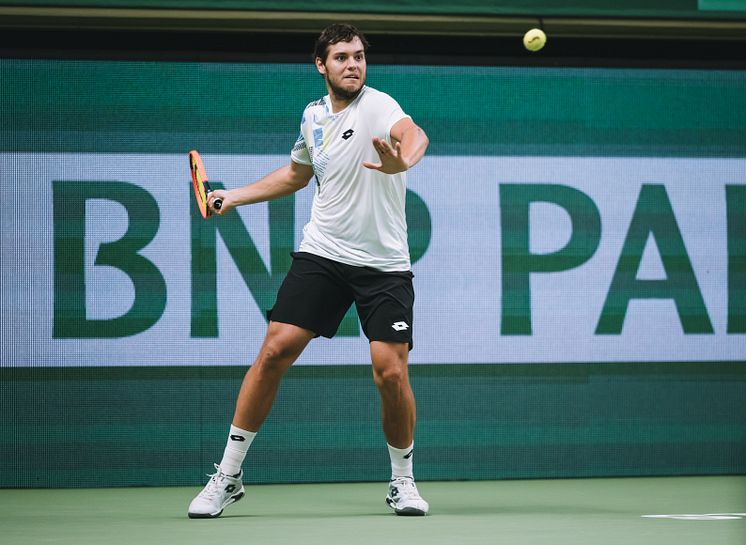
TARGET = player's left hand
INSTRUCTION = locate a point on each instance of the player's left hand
(391, 158)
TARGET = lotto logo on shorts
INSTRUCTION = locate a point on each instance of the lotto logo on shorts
(400, 326)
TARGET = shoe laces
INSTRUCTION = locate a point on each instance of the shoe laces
(214, 486)
(405, 487)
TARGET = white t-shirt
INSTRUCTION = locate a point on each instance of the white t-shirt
(358, 214)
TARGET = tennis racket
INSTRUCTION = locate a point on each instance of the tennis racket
(202, 188)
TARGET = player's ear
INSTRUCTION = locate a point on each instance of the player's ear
(320, 66)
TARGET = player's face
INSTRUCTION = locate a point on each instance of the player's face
(344, 69)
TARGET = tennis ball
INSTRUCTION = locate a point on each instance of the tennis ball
(534, 39)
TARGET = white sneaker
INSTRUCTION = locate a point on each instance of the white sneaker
(404, 499)
(219, 492)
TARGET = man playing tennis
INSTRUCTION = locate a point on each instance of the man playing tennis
(358, 143)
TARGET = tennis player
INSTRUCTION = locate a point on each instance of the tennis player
(358, 143)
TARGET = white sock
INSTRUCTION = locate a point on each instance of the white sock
(401, 461)
(239, 442)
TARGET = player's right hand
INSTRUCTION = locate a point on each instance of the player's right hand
(226, 205)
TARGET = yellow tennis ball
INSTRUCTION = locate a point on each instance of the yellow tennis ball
(534, 39)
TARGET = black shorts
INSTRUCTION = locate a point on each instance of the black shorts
(317, 292)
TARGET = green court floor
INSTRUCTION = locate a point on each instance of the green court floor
(557, 512)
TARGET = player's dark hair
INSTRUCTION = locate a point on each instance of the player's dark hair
(338, 32)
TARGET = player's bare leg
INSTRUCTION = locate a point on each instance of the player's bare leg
(391, 376)
(282, 345)
(398, 415)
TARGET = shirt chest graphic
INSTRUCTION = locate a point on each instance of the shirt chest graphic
(332, 139)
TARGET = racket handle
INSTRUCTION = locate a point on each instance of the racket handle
(217, 203)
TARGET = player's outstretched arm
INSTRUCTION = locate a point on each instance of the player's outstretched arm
(410, 143)
(283, 181)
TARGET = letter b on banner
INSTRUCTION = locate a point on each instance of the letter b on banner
(70, 319)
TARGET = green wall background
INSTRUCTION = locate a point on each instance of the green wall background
(156, 425)
(166, 107)
(166, 426)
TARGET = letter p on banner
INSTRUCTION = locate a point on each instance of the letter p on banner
(518, 263)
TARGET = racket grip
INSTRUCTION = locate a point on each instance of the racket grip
(217, 204)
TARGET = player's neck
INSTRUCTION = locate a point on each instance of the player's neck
(339, 103)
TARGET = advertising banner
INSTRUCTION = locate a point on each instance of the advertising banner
(106, 261)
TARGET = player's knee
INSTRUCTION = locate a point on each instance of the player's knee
(275, 357)
(391, 376)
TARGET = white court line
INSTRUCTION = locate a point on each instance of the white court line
(708, 516)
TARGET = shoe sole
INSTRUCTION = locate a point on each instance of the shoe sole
(233, 500)
(410, 512)
(405, 511)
